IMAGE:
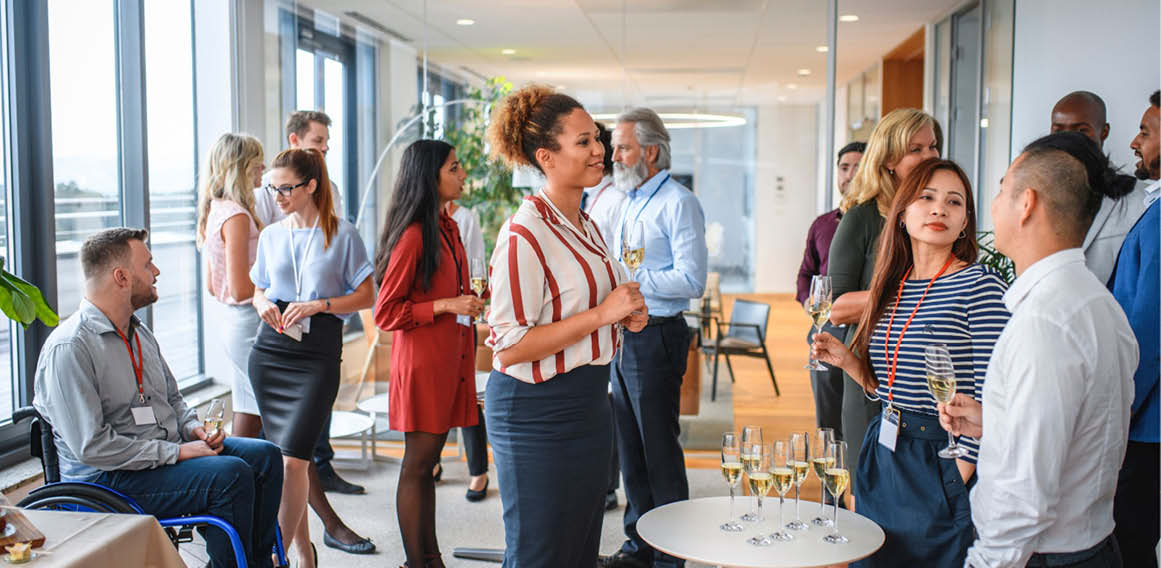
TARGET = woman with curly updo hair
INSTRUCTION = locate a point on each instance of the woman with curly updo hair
(559, 301)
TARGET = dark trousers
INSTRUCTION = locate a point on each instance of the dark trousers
(615, 461)
(1136, 504)
(1105, 554)
(476, 445)
(646, 405)
(242, 485)
(828, 390)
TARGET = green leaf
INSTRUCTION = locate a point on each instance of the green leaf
(43, 311)
(6, 304)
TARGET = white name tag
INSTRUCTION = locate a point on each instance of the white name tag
(294, 332)
(889, 428)
(465, 321)
(143, 415)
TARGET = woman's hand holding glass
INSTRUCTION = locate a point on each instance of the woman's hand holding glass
(818, 306)
(828, 349)
(620, 304)
(466, 305)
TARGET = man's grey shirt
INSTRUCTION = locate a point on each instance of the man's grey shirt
(85, 388)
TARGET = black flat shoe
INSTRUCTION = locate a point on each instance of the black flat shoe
(438, 475)
(611, 501)
(476, 496)
(332, 483)
(361, 546)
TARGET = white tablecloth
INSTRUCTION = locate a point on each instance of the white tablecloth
(102, 540)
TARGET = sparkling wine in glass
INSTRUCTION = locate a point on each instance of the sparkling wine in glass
(941, 383)
(633, 248)
(820, 299)
(800, 447)
(732, 471)
(761, 479)
(837, 478)
(823, 437)
(479, 276)
(751, 439)
(214, 416)
(782, 460)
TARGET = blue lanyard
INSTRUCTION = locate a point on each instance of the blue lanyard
(642, 209)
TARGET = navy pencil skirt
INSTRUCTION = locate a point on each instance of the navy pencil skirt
(551, 443)
(917, 497)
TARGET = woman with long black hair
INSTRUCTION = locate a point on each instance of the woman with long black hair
(425, 298)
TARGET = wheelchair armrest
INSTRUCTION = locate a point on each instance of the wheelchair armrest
(24, 413)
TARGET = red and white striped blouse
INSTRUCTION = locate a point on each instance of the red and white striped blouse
(543, 271)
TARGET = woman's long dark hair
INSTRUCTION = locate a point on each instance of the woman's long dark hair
(895, 256)
(415, 200)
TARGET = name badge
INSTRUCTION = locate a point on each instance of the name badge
(143, 415)
(463, 320)
(889, 428)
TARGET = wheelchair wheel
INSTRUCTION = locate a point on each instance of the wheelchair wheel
(75, 497)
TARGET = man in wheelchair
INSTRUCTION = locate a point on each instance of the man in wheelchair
(119, 420)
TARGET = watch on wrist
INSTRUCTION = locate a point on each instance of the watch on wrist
(328, 305)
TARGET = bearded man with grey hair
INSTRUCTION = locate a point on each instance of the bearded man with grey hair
(647, 378)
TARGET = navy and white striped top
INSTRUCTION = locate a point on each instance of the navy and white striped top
(965, 311)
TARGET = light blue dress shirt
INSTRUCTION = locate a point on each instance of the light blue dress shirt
(674, 268)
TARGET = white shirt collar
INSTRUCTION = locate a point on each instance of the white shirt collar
(1151, 192)
(1037, 272)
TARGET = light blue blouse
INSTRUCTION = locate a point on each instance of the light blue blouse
(325, 273)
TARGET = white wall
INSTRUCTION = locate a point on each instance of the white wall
(1109, 48)
(787, 148)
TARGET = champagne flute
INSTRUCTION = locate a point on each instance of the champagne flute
(214, 416)
(751, 439)
(479, 276)
(800, 446)
(820, 298)
(782, 461)
(836, 478)
(732, 471)
(760, 477)
(941, 383)
(823, 438)
(633, 248)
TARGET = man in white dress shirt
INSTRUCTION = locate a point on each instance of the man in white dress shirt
(1055, 413)
(305, 129)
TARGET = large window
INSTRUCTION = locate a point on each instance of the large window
(7, 399)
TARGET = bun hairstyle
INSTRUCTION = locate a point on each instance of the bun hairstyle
(310, 164)
(526, 121)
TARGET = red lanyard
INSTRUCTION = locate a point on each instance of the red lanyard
(137, 362)
(893, 364)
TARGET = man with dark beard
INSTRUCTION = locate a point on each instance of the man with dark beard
(118, 419)
(667, 220)
(1137, 286)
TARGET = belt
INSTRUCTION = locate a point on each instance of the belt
(1046, 560)
(659, 320)
(918, 425)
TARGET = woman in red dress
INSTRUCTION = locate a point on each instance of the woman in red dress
(425, 297)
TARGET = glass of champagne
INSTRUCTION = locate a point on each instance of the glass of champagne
(941, 383)
(836, 478)
(751, 446)
(760, 478)
(823, 438)
(732, 471)
(800, 447)
(214, 416)
(633, 248)
(782, 463)
(479, 276)
(820, 298)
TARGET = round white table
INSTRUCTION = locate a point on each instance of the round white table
(689, 530)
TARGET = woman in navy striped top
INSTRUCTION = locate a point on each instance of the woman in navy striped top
(926, 290)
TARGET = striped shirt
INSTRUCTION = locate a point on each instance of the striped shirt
(964, 311)
(545, 270)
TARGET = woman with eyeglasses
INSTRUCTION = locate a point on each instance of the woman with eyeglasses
(311, 273)
(227, 233)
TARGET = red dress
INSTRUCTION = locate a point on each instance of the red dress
(433, 359)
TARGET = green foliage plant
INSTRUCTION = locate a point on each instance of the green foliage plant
(23, 302)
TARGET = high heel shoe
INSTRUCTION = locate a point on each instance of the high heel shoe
(438, 475)
(477, 496)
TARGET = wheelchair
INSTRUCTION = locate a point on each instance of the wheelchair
(84, 496)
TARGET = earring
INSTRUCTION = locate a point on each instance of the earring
(902, 225)
(962, 235)
(890, 171)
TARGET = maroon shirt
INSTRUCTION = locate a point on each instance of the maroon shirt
(814, 260)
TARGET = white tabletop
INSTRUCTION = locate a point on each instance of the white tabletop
(345, 423)
(374, 405)
(689, 530)
(101, 540)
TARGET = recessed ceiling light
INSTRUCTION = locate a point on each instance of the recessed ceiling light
(822, 49)
(508, 51)
(782, 98)
(465, 22)
(792, 86)
(803, 72)
(561, 87)
(848, 18)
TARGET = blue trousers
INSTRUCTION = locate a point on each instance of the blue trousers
(646, 405)
(242, 485)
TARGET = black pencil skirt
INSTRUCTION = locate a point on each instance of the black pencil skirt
(296, 382)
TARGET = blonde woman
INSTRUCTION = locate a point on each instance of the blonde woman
(227, 234)
(902, 140)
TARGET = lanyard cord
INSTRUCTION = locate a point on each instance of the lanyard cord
(894, 364)
(305, 256)
(456, 260)
(642, 209)
(138, 363)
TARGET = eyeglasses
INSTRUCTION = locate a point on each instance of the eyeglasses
(285, 190)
